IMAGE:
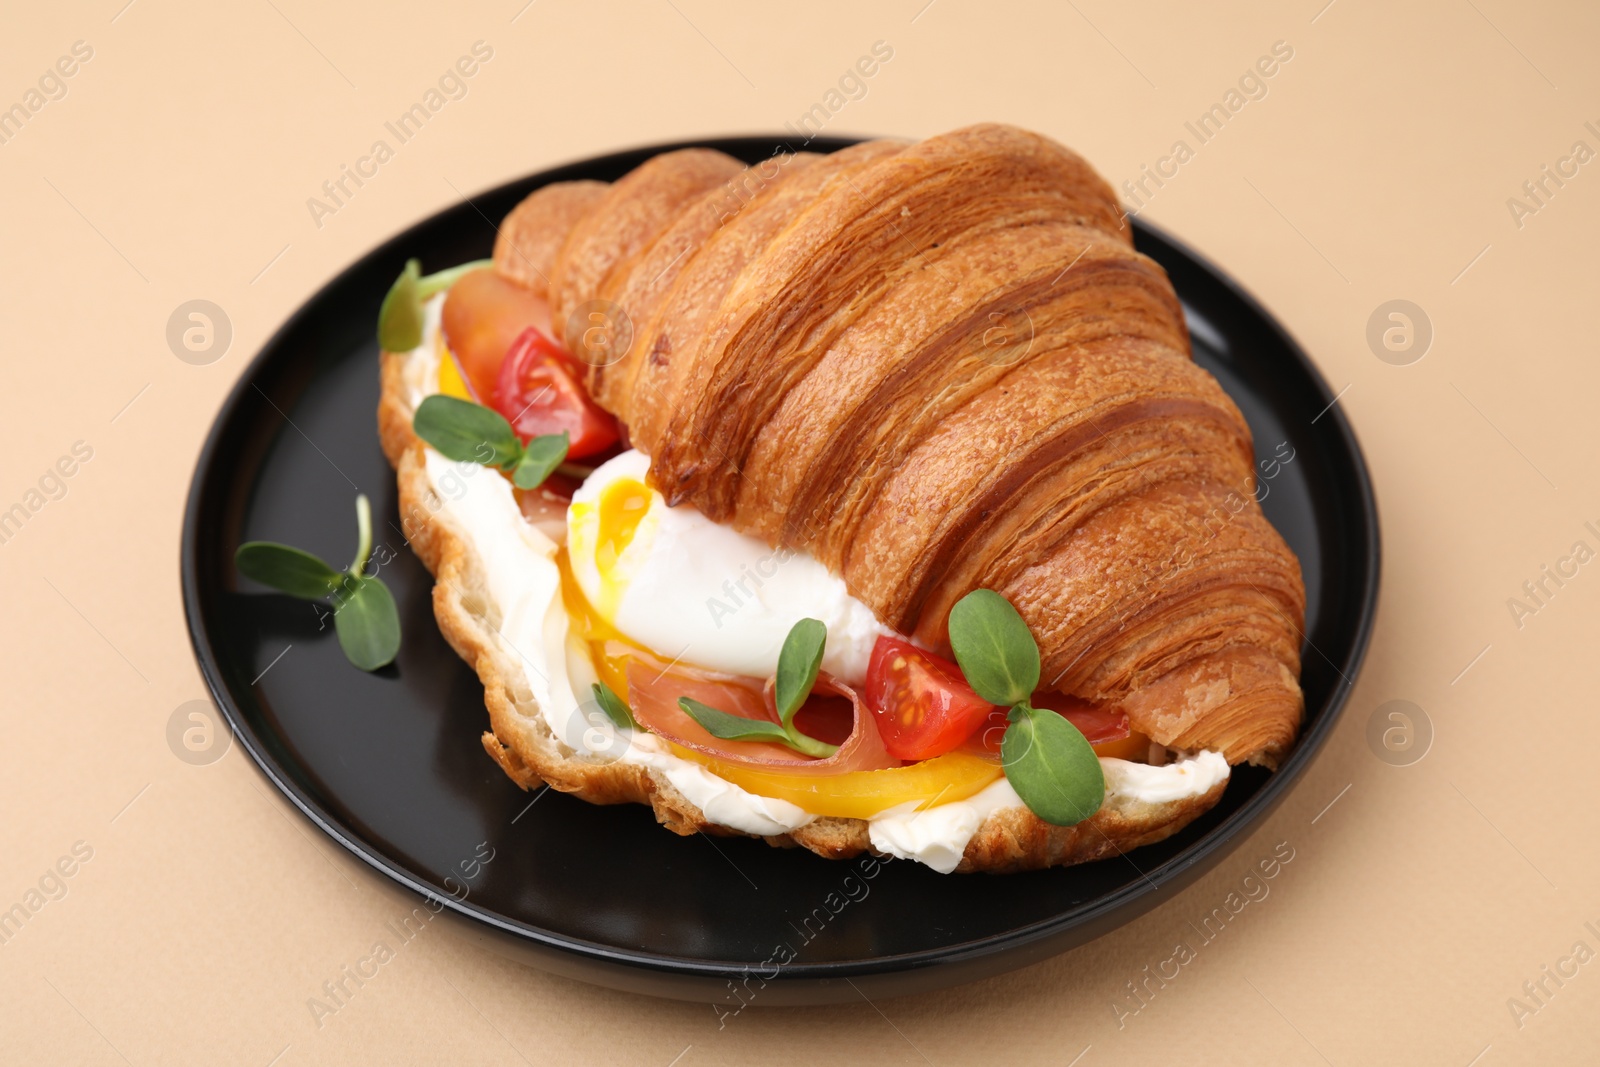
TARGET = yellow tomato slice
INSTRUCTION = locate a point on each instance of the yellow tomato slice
(450, 381)
(862, 794)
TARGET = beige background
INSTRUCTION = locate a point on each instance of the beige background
(1377, 167)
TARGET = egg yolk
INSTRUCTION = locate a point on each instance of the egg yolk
(622, 506)
(609, 651)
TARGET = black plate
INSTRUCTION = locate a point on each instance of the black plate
(389, 764)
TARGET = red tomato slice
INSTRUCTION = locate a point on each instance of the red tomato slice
(483, 314)
(538, 391)
(922, 705)
(1099, 724)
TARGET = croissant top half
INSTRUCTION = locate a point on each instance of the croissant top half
(941, 366)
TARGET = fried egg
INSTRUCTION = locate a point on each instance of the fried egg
(689, 589)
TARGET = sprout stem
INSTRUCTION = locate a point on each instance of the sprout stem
(363, 536)
(810, 746)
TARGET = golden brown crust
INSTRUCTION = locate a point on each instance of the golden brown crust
(526, 245)
(1015, 839)
(520, 741)
(641, 290)
(628, 218)
(838, 256)
(671, 340)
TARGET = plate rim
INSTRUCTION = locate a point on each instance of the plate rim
(1124, 904)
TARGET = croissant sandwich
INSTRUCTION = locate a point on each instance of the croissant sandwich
(862, 501)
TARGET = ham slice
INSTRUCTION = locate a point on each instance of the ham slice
(654, 688)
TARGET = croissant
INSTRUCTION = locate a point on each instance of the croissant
(937, 367)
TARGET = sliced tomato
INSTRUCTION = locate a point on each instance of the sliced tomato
(986, 738)
(538, 391)
(921, 703)
(483, 314)
(1105, 727)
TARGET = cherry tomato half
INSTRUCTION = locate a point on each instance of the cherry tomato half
(921, 703)
(483, 315)
(538, 392)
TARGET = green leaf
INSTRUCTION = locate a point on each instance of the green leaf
(468, 432)
(797, 666)
(434, 284)
(542, 455)
(615, 708)
(287, 569)
(400, 317)
(368, 624)
(364, 615)
(732, 727)
(997, 654)
(1052, 766)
